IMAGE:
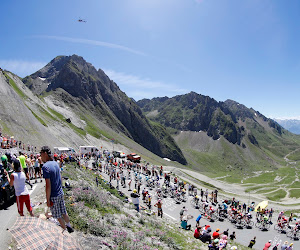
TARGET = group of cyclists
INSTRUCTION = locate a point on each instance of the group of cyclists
(158, 185)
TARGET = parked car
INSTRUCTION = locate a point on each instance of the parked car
(134, 157)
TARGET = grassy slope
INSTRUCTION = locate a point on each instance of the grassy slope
(218, 158)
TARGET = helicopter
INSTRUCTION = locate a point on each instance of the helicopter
(81, 20)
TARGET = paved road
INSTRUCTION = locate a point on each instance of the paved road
(9, 215)
(171, 209)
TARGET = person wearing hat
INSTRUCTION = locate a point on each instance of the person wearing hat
(135, 199)
(214, 245)
(216, 234)
(285, 245)
(54, 191)
(206, 237)
(267, 245)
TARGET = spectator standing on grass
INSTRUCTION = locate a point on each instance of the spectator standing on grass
(17, 179)
(97, 181)
(54, 192)
(232, 236)
(252, 242)
(135, 199)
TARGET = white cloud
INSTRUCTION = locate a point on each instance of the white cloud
(139, 88)
(21, 67)
(93, 42)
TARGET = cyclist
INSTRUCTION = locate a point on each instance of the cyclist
(196, 198)
(225, 206)
(205, 206)
(248, 218)
(159, 193)
(280, 216)
(265, 221)
(296, 229)
(283, 222)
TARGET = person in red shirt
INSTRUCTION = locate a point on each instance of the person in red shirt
(216, 234)
(197, 232)
(267, 245)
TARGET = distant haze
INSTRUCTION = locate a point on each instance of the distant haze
(291, 125)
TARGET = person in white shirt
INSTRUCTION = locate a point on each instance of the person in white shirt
(17, 179)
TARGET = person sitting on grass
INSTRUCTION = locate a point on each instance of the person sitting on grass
(206, 237)
(184, 225)
(197, 232)
(223, 242)
(216, 234)
(214, 245)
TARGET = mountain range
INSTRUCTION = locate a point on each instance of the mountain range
(68, 102)
(292, 125)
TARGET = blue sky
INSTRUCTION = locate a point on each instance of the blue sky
(247, 51)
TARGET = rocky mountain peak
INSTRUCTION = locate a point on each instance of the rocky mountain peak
(97, 92)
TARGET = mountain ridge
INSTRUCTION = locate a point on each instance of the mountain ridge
(76, 103)
(102, 96)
